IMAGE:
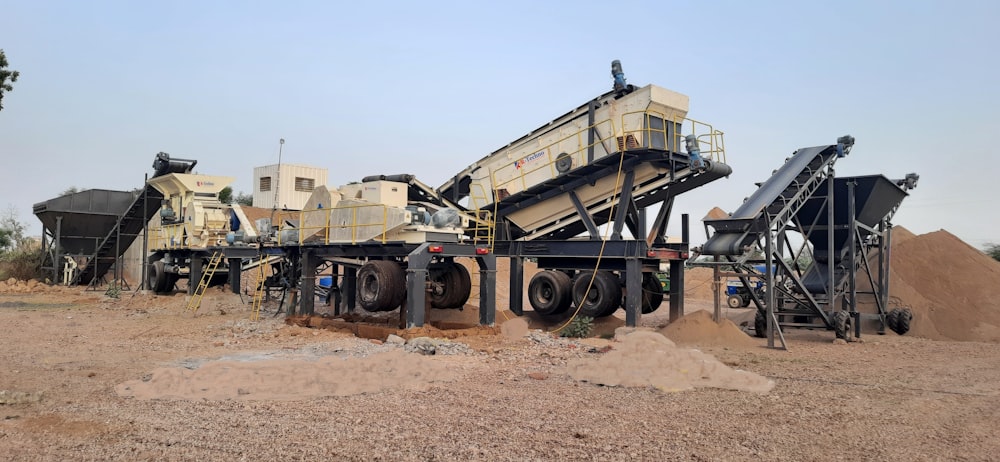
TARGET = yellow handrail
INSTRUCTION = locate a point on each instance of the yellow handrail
(326, 228)
(577, 156)
(625, 138)
(167, 237)
(482, 219)
(711, 142)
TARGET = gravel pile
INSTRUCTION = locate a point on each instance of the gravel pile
(336, 397)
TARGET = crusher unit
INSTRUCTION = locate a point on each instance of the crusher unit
(573, 195)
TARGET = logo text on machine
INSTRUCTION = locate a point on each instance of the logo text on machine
(529, 158)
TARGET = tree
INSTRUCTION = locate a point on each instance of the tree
(5, 77)
(12, 229)
(993, 250)
(6, 240)
(244, 199)
(69, 190)
(226, 195)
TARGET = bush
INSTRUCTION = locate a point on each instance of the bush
(993, 250)
(579, 327)
(23, 263)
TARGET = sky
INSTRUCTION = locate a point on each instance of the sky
(428, 88)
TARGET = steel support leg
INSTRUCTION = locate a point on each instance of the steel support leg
(235, 273)
(416, 296)
(487, 289)
(516, 285)
(350, 288)
(633, 289)
(676, 289)
(194, 276)
(308, 283)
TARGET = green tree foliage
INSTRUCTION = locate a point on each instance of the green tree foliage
(244, 199)
(226, 195)
(993, 250)
(11, 230)
(6, 77)
(20, 256)
(70, 190)
(6, 240)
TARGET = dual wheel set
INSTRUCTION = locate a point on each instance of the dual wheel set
(382, 285)
(600, 294)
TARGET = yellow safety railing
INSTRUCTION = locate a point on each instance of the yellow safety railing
(323, 231)
(483, 224)
(553, 153)
(635, 130)
(167, 237)
(645, 135)
(711, 142)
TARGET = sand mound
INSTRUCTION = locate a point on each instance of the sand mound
(900, 235)
(698, 283)
(949, 285)
(716, 214)
(645, 359)
(698, 328)
(281, 379)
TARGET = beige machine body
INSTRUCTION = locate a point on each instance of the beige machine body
(370, 211)
(191, 216)
(650, 117)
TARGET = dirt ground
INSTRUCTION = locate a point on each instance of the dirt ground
(84, 377)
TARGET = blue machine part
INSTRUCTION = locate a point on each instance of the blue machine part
(694, 153)
(618, 74)
(234, 221)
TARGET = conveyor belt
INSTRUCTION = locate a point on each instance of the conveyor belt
(775, 201)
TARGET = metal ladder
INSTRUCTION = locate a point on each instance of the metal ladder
(258, 293)
(206, 277)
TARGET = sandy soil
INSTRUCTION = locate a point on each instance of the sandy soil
(140, 378)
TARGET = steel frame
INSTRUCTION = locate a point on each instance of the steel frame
(643, 253)
(307, 259)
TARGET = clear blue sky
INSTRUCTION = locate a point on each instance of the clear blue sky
(429, 87)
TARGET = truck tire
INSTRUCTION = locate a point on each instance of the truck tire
(549, 292)
(381, 285)
(455, 286)
(158, 279)
(734, 301)
(892, 319)
(760, 324)
(652, 293)
(842, 324)
(898, 320)
(602, 299)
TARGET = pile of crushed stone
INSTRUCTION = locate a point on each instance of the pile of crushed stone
(648, 359)
(698, 328)
(291, 379)
(949, 285)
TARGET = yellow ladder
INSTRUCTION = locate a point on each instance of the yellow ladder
(258, 293)
(483, 224)
(206, 277)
